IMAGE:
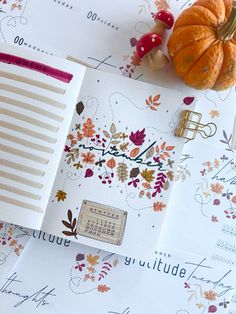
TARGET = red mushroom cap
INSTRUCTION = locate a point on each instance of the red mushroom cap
(146, 43)
(165, 17)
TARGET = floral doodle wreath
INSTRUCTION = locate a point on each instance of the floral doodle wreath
(9, 241)
(112, 143)
(216, 194)
(90, 269)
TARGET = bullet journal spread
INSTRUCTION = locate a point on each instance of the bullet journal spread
(86, 155)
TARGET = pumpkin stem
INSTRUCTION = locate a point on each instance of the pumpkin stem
(226, 31)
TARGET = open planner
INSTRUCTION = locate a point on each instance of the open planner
(86, 155)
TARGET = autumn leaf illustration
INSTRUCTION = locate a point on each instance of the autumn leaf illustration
(106, 134)
(163, 145)
(88, 158)
(134, 152)
(88, 128)
(214, 114)
(210, 295)
(111, 163)
(103, 288)
(134, 172)
(169, 148)
(78, 165)
(122, 172)
(158, 206)
(159, 184)
(150, 152)
(116, 135)
(72, 155)
(148, 175)
(227, 140)
(137, 137)
(70, 224)
(113, 128)
(217, 188)
(61, 195)
(170, 175)
(152, 102)
(92, 259)
(163, 150)
(80, 107)
(124, 147)
(105, 268)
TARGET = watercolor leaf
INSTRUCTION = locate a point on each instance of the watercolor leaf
(106, 134)
(169, 148)
(61, 195)
(113, 129)
(111, 163)
(122, 172)
(156, 98)
(115, 263)
(138, 137)
(103, 288)
(68, 233)
(67, 224)
(134, 152)
(70, 224)
(134, 172)
(124, 147)
(163, 145)
(92, 259)
(117, 135)
(148, 175)
(80, 107)
(150, 152)
(69, 215)
(115, 142)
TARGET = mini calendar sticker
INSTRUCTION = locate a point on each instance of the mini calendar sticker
(101, 222)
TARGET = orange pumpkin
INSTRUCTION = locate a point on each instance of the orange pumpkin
(203, 44)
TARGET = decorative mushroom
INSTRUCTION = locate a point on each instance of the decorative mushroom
(147, 47)
(164, 20)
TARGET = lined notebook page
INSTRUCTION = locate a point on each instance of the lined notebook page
(37, 98)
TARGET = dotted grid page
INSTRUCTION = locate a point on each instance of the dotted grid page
(37, 97)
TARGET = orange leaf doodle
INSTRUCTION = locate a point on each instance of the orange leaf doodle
(210, 295)
(61, 195)
(88, 128)
(163, 145)
(88, 158)
(169, 148)
(158, 206)
(217, 188)
(92, 260)
(103, 288)
(111, 163)
(79, 136)
(134, 152)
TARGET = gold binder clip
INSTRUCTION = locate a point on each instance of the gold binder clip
(190, 125)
